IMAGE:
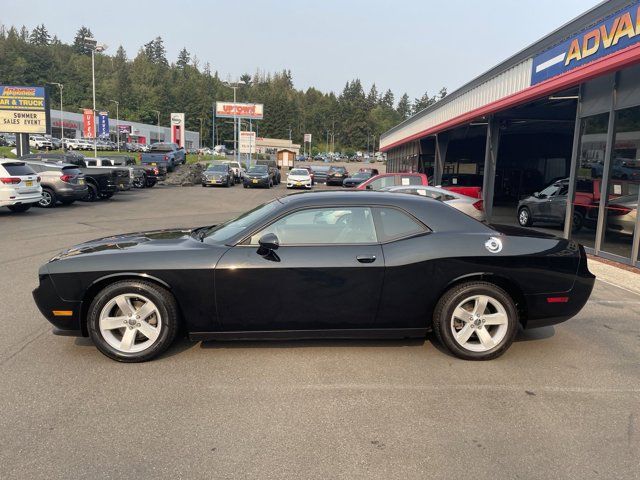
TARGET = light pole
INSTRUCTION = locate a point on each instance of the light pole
(236, 130)
(158, 112)
(95, 48)
(60, 86)
(200, 131)
(117, 121)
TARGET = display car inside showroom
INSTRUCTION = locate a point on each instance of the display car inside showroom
(552, 134)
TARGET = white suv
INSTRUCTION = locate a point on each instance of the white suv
(40, 142)
(19, 185)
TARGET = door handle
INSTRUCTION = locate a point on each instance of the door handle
(366, 258)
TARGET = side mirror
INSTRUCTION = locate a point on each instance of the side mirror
(536, 194)
(269, 241)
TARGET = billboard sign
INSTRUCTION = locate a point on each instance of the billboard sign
(307, 138)
(247, 142)
(124, 128)
(177, 129)
(254, 111)
(88, 123)
(614, 33)
(24, 109)
(103, 125)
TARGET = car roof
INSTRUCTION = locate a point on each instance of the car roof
(49, 164)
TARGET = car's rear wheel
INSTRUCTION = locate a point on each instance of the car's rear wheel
(48, 199)
(476, 321)
(578, 221)
(140, 182)
(132, 320)
(23, 207)
(92, 193)
(524, 217)
(106, 195)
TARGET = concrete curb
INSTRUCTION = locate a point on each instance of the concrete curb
(624, 278)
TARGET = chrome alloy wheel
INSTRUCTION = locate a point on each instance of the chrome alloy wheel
(479, 323)
(523, 218)
(46, 199)
(130, 323)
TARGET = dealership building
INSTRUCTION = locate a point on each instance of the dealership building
(552, 134)
(130, 131)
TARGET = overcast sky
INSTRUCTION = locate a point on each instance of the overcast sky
(413, 46)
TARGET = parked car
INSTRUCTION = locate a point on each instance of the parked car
(474, 285)
(236, 168)
(273, 168)
(622, 213)
(40, 142)
(55, 142)
(550, 204)
(320, 173)
(145, 175)
(259, 176)
(336, 175)
(356, 179)
(167, 155)
(9, 139)
(311, 174)
(101, 183)
(469, 184)
(218, 174)
(299, 178)
(62, 183)
(379, 181)
(469, 205)
(19, 185)
(124, 175)
(73, 144)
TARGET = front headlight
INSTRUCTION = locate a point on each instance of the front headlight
(265, 177)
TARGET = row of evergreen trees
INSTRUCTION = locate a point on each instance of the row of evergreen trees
(150, 82)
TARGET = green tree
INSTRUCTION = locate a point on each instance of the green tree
(404, 107)
(183, 58)
(80, 41)
(40, 36)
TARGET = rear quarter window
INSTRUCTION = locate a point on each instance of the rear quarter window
(393, 224)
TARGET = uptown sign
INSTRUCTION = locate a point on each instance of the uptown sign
(614, 33)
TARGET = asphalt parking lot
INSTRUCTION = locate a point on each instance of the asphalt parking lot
(563, 402)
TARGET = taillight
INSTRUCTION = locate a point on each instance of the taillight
(156, 170)
(66, 178)
(479, 205)
(10, 180)
(166, 157)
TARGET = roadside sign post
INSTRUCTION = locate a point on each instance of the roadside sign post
(238, 111)
(24, 110)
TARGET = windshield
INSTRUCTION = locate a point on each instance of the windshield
(258, 169)
(299, 171)
(320, 168)
(217, 168)
(361, 175)
(339, 169)
(224, 231)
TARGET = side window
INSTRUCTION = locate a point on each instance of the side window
(411, 180)
(318, 226)
(36, 168)
(394, 224)
(91, 163)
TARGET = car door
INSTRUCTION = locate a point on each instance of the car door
(327, 273)
(546, 203)
(558, 204)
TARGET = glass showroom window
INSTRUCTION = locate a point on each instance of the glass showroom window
(593, 144)
(621, 207)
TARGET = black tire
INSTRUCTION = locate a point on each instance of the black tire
(204, 185)
(106, 195)
(92, 193)
(151, 182)
(578, 221)
(442, 319)
(167, 309)
(140, 182)
(524, 217)
(66, 202)
(245, 185)
(23, 207)
(49, 198)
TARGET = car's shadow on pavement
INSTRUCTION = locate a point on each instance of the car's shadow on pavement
(313, 343)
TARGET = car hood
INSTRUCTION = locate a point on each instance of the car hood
(153, 240)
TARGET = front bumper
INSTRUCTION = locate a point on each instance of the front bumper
(64, 315)
(214, 181)
(256, 182)
(303, 184)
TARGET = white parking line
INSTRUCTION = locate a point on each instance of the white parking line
(616, 285)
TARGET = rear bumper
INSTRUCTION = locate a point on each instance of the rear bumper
(20, 199)
(72, 193)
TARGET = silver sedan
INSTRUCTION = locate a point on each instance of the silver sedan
(469, 205)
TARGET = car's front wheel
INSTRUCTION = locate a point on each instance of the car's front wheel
(476, 321)
(48, 199)
(133, 320)
(524, 217)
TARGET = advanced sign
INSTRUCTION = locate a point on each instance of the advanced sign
(239, 110)
(247, 142)
(614, 33)
(24, 109)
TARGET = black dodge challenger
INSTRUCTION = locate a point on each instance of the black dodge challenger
(402, 265)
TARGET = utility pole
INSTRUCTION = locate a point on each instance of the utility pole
(60, 86)
(158, 113)
(96, 48)
(117, 121)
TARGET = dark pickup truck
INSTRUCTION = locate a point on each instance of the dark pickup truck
(150, 174)
(102, 183)
(166, 155)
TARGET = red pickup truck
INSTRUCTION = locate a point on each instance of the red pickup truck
(462, 184)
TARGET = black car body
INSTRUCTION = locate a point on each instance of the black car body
(320, 173)
(356, 179)
(392, 259)
(259, 176)
(101, 183)
(145, 175)
(336, 175)
(273, 169)
(218, 174)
